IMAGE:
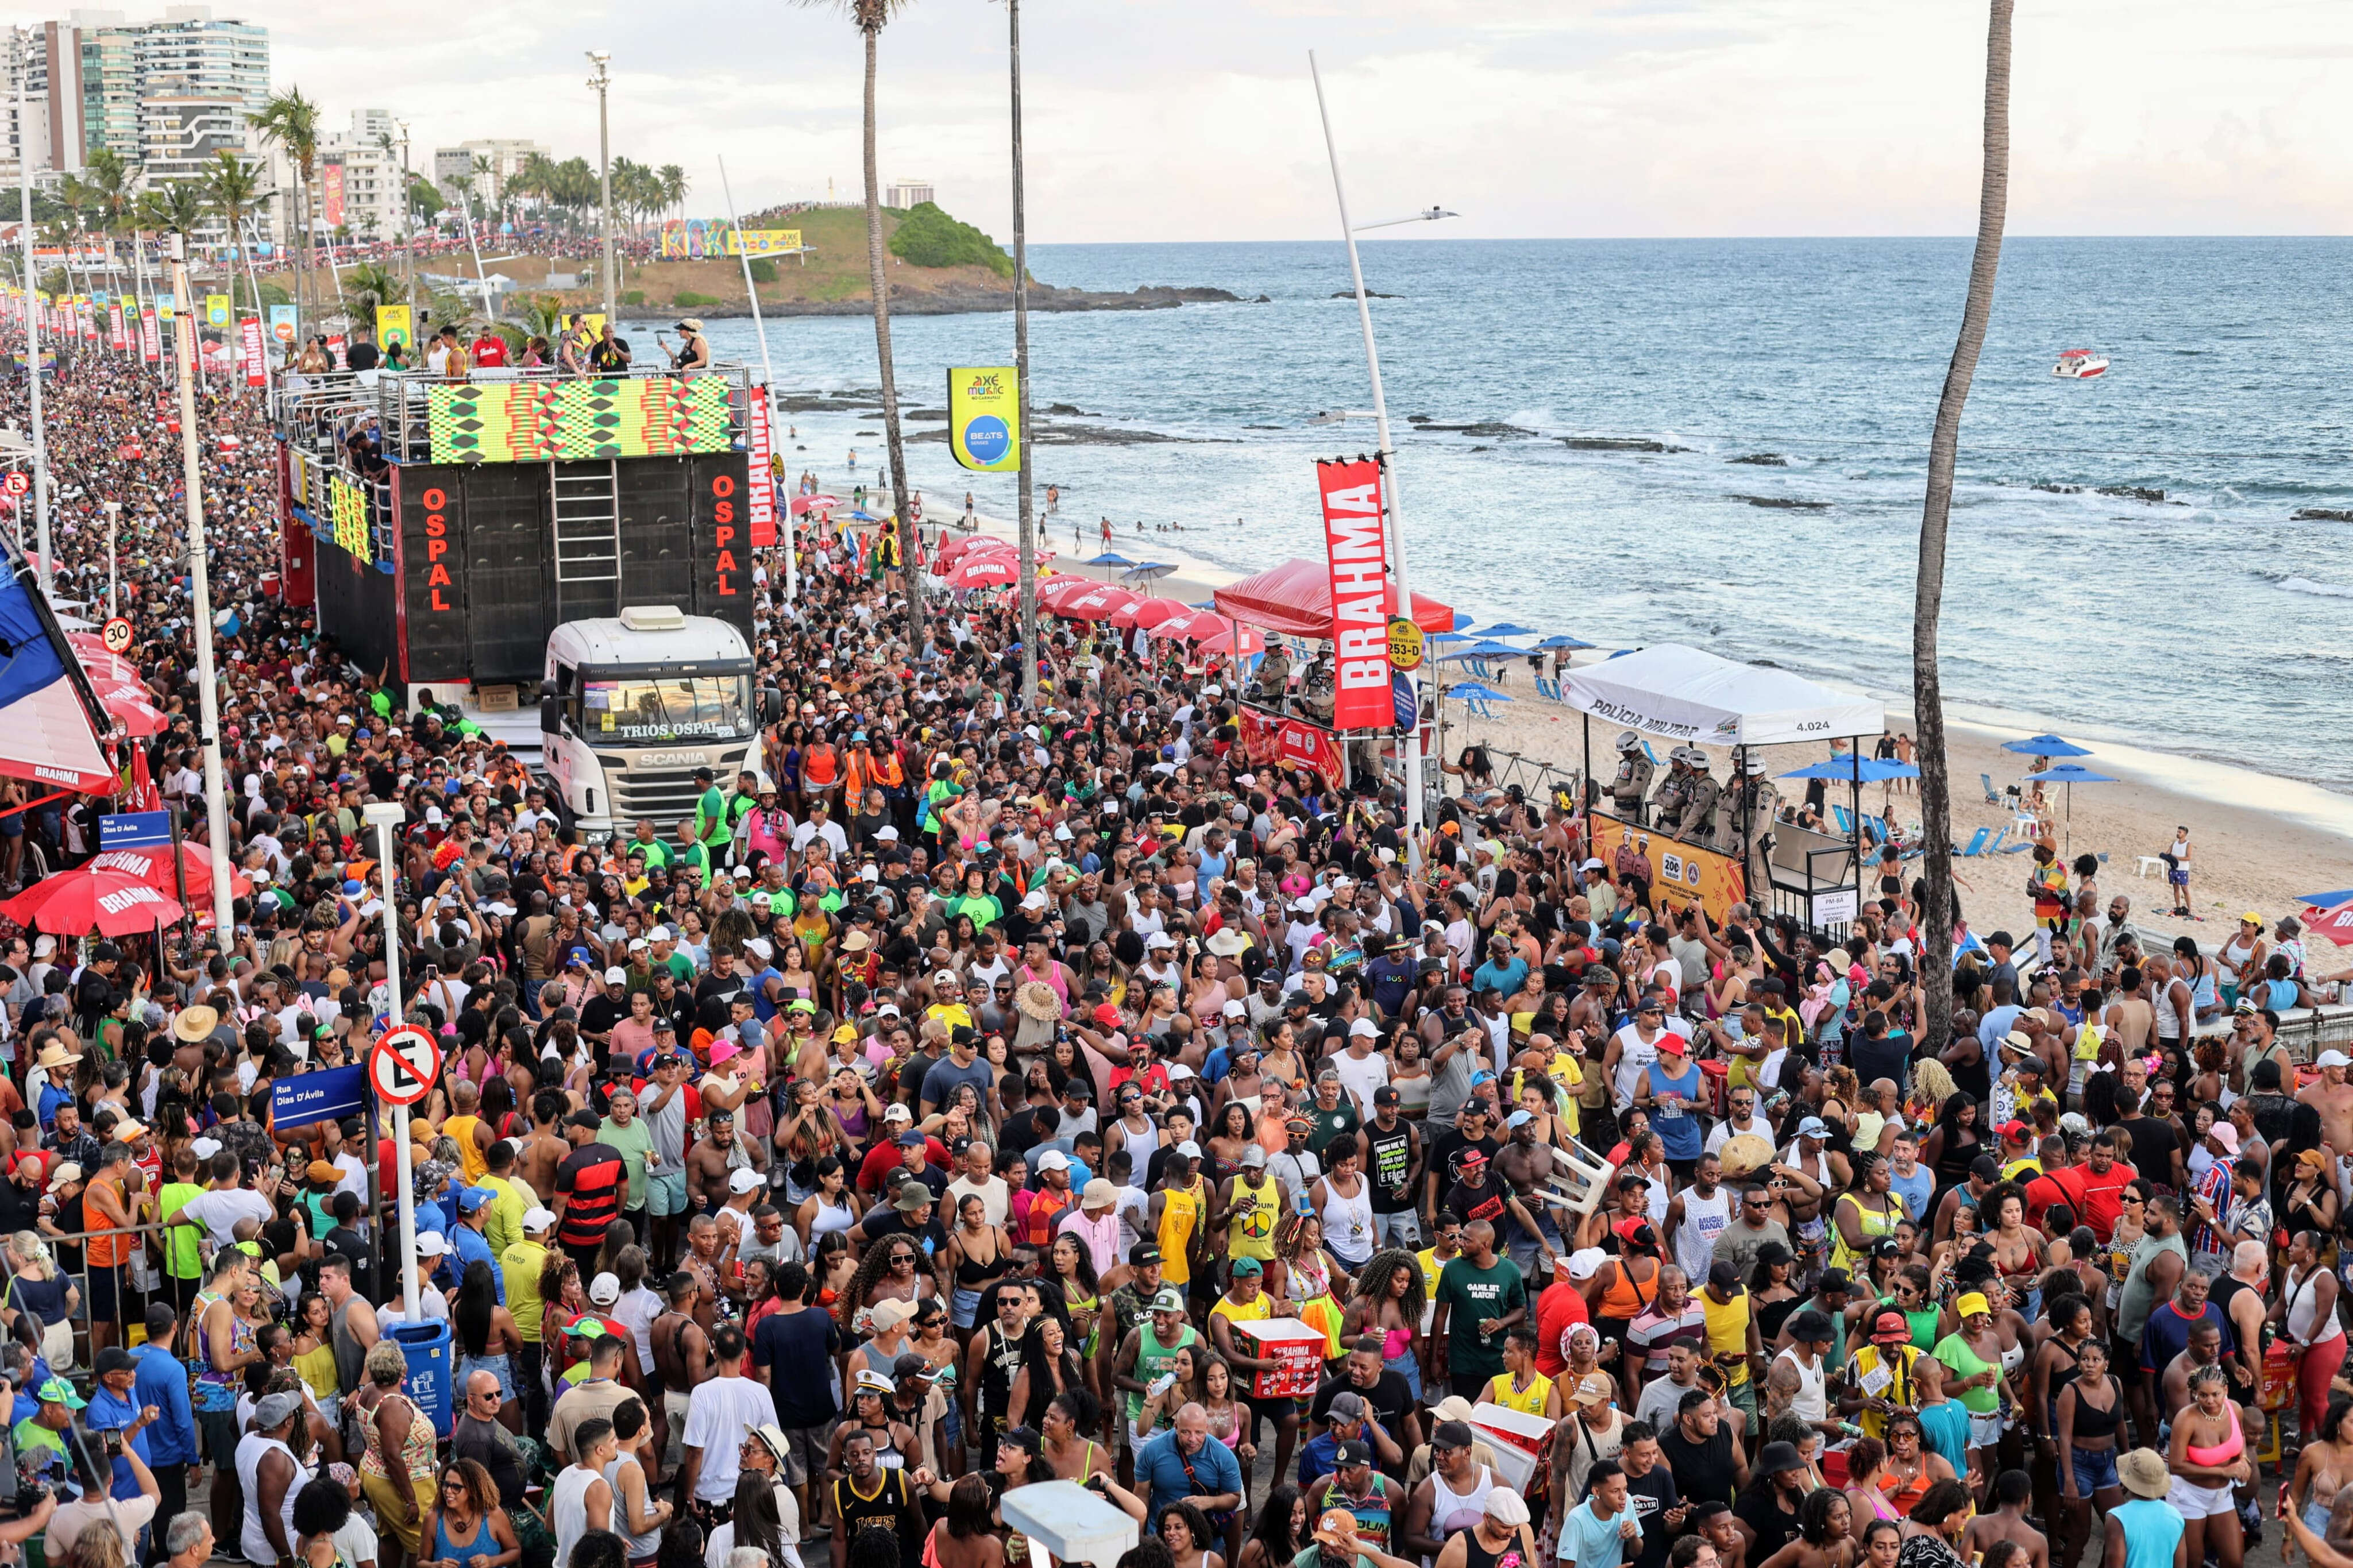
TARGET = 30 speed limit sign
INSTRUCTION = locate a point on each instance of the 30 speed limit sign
(403, 1065)
(116, 634)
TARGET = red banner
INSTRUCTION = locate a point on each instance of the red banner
(1269, 741)
(1356, 545)
(115, 328)
(257, 370)
(150, 345)
(330, 188)
(761, 505)
(335, 351)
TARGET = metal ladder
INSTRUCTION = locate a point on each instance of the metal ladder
(587, 537)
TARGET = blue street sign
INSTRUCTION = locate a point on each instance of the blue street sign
(1401, 697)
(135, 830)
(328, 1096)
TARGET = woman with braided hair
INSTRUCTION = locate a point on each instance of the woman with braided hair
(1388, 1304)
(1302, 1272)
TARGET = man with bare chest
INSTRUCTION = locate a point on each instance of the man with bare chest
(543, 1148)
(1523, 1164)
(681, 1361)
(716, 1155)
(2332, 1097)
(2011, 1491)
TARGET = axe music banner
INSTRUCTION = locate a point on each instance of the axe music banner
(1355, 547)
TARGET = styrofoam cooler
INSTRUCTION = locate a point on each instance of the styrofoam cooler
(1298, 1346)
(1518, 1439)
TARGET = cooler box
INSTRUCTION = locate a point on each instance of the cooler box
(429, 1349)
(1520, 1441)
(1298, 1346)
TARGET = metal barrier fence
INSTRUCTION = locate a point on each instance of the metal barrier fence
(129, 1299)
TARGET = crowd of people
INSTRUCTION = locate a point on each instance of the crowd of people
(972, 1097)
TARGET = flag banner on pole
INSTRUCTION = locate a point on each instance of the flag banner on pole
(985, 418)
(114, 327)
(150, 346)
(763, 498)
(1355, 547)
(49, 717)
(283, 323)
(257, 370)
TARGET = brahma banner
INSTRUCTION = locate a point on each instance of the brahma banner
(1269, 741)
(1357, 547)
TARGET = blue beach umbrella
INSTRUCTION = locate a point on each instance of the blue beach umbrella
(2326, 901)
(1109, 558)
(1510, 629)
(2045, 746)
(1562, 641)
(1472, 691)
(2070, 775)
(1144, 570)
(1461, 622)
(1852, 770)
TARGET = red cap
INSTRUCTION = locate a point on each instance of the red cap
(2017, 1132)
(1107, 1016)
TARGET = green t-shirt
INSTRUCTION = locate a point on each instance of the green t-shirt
(633, 1144)
(1331, 1124)
(656, 852)
(181, 1259)
(1955, 1352)
(984, 910)
(1471, 1294)
(711, 817)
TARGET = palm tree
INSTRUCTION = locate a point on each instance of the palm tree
(180, 207)
(870, 17)
(290, 122)
(365, 287)
(1927, 693)
(673, 189)
(230, 184)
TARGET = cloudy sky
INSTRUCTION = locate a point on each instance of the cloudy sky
(1171, 119)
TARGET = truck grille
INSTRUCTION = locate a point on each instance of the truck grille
(664, 797)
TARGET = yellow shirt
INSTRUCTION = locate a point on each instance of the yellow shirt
(1257, 1311)
(523, 1264)
(503, 1227)
(471, 1157)
(1180, 1216)
(1529, 1401)
(1251, 1235)
(1727, 1333)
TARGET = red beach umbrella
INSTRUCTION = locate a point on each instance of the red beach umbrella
(1146, 615)
(989, 569)
(1093, 601)
(89, 898)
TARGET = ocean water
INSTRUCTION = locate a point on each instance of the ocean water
(2208, 622)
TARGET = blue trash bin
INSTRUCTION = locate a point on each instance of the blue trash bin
(429, 1349)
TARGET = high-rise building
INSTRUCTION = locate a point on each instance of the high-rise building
(25, 56)
(453, 167)
(104, 82)
(908, 193)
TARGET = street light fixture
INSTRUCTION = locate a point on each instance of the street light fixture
(1410, 744)
(603, 79)
(1432, 214)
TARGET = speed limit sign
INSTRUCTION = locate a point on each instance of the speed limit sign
(117, 635)
(16, 483)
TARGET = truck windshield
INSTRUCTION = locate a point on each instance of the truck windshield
(666, 708)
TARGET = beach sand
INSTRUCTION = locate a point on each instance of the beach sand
(2257, 842)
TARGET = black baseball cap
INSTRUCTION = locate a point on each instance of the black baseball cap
(1384, 1095)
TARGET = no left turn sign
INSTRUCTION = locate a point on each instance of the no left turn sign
(403, 1065)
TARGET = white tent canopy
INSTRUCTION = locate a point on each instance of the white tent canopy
(1682, 694)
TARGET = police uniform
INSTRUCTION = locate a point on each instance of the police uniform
(1633, 782)
(1668, 800)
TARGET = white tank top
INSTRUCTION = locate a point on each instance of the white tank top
(1451, 1510)
(568, 1503)
(1811, 1402)
(252, 1536)
(2301, 1298)
(1348, 1222)
(1704, 1221)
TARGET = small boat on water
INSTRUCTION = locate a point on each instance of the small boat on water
(2080, 364)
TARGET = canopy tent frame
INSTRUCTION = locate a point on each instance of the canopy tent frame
(1681, 693)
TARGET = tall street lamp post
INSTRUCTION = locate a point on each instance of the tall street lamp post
(601, 82)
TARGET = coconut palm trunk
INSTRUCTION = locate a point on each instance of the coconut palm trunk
(870, 15)
(1928, 694)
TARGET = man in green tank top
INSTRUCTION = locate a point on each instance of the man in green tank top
(1150, 1351)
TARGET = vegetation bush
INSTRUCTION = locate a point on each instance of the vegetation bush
(687, 297)
(929, 237)
(634, 296)
(763, 269)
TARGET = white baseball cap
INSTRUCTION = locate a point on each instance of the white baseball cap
(605, 1289)
(746, 1181)
(2333, 1059)
(538, 1219)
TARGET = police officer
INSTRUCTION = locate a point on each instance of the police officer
(1667, 800)
(1700, 799)
(1633, 781)
(1751, 803)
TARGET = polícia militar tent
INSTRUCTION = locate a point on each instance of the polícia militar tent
(50, 719)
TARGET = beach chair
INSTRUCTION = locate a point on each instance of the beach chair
(1977, 844)
(1993, 795)
(1845, 818)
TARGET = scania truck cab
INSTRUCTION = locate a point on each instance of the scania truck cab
(633, 704)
